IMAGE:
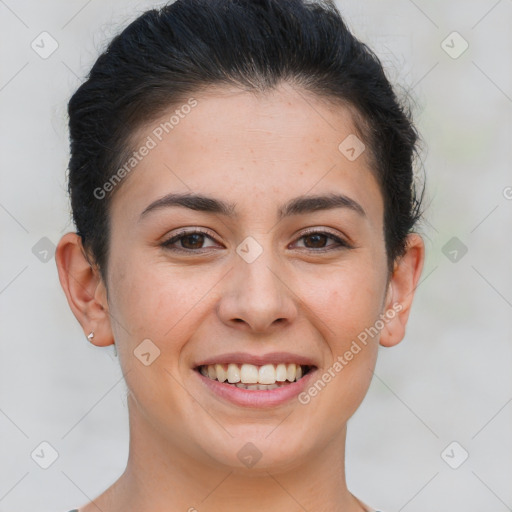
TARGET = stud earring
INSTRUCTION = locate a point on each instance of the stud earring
(90, 336)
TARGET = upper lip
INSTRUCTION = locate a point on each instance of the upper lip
(258, 360)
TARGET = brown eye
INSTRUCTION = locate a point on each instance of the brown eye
(193, 241)
(189, 241)
(318, 240)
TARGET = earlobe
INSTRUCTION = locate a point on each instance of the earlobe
(84, 289)
(401, 288)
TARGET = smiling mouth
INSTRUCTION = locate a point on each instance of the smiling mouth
(253, 377)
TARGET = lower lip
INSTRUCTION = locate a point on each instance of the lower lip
(257, 398)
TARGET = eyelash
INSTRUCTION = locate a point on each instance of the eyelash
(341, 244)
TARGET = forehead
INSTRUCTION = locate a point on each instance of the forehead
(236, 144)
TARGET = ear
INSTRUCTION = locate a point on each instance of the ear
(401, 288)
(84, 289)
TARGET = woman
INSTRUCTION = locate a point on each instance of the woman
(241, 180)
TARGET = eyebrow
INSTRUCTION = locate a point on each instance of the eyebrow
(297, 206)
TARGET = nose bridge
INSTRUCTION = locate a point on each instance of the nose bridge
(256, 293)
(260, 277)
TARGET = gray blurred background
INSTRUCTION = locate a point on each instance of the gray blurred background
(441, 395)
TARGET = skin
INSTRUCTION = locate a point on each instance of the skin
(257, 151)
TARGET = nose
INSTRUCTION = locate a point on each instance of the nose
(257, 297)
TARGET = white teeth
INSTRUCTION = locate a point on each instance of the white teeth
(291, 372)
(249, 376)
(281, 372)
(267, 374)
(233, 373)
(222, 375)
(256, 387)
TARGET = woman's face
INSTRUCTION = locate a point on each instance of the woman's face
(255, 286)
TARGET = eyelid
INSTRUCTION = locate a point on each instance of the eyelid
(321, 230)
(186, 232)
(341, 241)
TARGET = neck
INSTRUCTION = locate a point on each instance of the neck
(164, 478)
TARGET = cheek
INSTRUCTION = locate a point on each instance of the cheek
(347, 302)
(346, 315)
(340, 386)
(155, 300)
